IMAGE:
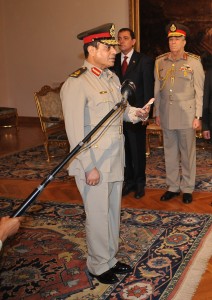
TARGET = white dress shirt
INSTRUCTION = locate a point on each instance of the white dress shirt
(129, 55)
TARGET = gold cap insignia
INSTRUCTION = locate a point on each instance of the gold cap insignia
(173, 28)
(112, 31)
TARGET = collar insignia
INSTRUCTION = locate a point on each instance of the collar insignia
(96, 71)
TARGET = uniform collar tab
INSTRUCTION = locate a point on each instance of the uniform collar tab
(96, 71)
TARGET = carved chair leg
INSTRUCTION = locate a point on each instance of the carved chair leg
(46, 145)
(161, 139)
(147, 144)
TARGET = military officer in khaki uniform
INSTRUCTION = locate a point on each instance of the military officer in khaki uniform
(179, 80)
(87, 96)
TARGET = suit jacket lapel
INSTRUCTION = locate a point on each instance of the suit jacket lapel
(133, 62)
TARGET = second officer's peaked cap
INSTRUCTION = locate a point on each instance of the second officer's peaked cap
(176, 29)
(104, 34)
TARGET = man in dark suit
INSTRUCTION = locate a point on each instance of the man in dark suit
(138, 68)
(207, 101)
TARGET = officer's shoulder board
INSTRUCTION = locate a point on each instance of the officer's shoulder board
(78, 72)
(193, 55)
(162, 55)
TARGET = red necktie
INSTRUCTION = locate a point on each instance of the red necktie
(124, 65)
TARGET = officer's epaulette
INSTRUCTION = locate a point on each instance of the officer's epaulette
(78, 72)
(193, 55)
(162, 55)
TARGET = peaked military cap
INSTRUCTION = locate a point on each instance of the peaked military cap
(104, 34)
(176, 29)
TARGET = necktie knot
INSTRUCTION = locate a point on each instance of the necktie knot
(124, 65)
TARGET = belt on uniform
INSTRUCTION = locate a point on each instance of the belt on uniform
(114, 129)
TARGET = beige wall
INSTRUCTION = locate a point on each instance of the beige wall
(3, 88)
(40, 43)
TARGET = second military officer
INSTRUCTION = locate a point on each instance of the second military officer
(179, 80)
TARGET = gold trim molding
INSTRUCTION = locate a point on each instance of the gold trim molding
(134, 20)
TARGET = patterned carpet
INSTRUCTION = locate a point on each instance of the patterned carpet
(155, 168)
(47, 257)
(31, 164)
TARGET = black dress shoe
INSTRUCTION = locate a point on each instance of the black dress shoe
(107, 277)
(121, 268)
(169, 195)
(187, 198)
(127, 188)
(139, 192)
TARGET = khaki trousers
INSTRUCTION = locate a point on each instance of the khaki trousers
(180, 153)
(102, 205)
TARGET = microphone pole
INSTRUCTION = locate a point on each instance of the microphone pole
(29, 200)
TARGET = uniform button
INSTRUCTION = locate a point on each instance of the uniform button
(170, 90)
(96, 146)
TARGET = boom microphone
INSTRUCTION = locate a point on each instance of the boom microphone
(127, 89)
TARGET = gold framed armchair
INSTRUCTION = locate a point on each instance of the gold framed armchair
(50, 113)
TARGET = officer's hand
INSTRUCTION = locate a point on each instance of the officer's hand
(197, 124)
(142, 114)
(206, 134)
(147, 109)
(92, 177)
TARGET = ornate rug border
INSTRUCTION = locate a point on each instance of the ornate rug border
(185, 287)
(181, 287)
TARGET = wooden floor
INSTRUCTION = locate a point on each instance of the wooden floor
(28, 136)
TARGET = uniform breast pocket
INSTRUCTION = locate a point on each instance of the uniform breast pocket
(97, 108)
(104, 106)
(185, 75)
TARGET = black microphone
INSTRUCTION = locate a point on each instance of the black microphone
(127, 89)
